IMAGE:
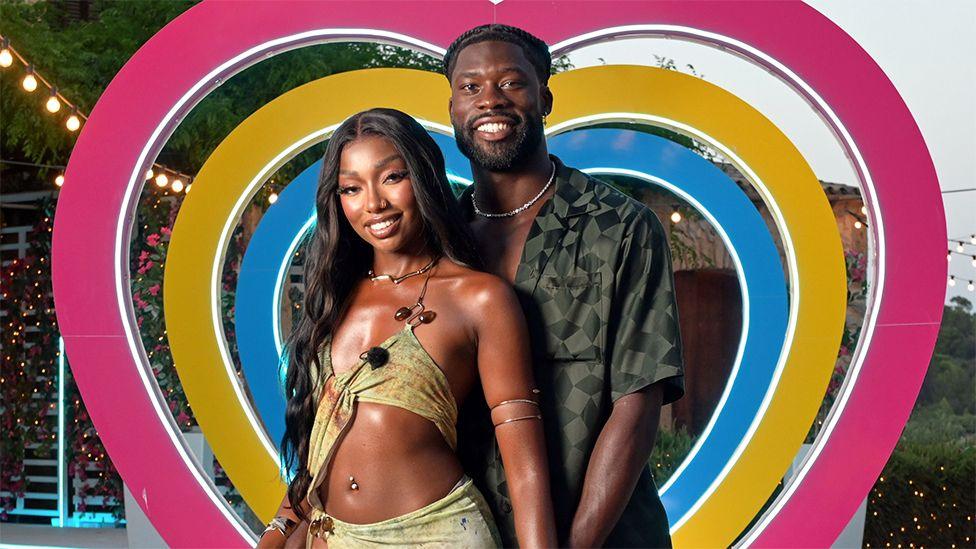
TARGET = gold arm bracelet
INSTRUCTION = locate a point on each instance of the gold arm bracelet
(514, 400)
(536, 416)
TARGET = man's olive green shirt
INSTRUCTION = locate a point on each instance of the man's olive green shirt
(596, 286)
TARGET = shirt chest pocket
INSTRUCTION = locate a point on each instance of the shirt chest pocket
(571, 309)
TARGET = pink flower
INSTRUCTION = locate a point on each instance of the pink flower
(166, 231)
(146, 266)
(183, 419)
(153, 290)
(139, 302)
(153, 239)
(143, 256)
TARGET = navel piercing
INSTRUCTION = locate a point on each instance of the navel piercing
(353, 485)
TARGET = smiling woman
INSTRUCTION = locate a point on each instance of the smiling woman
(371, 418)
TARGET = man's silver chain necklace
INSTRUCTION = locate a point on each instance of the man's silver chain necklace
(520, 209)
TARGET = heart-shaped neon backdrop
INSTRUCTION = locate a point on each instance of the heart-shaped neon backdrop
(294, 121)
(213, 42)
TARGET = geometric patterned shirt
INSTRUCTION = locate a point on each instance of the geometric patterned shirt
(596, 286)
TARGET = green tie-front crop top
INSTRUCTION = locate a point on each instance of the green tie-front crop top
(410, 379)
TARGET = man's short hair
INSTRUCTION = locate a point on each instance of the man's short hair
(535, 50)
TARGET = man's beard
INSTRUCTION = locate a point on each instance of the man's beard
(501, 156)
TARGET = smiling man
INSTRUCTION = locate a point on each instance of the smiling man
(593, 273)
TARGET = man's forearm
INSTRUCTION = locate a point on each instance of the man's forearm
(620, 454)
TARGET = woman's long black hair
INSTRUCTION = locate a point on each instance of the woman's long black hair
(338, 259)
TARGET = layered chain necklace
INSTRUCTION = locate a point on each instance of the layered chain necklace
(520, 209)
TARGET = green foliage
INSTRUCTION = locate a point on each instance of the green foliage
(670, 448)
(957, 335)
(926, 496)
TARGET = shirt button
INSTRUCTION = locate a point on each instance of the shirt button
(506, 507)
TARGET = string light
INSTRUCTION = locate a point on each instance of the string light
(59, 180)
(149, 174)
(972, 239)
(161, 180)
(675, 215)
(974, 261)
(970, 286)
(6, 58)
(177, 185)
(73, 122)
(53, 105)
(272, 198)
(29, 82)
(858, 225)
(959, 248)
(952, 282)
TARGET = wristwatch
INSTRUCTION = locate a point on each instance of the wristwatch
(281, 524)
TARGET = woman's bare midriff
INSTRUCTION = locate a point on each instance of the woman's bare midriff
(399, 460)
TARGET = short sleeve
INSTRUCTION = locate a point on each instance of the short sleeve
(643, 339)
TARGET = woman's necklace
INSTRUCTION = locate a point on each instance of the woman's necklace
(418, 312)
(398, 279)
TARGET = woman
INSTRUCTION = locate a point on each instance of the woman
(398, 327)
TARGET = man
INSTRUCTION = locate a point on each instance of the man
(592, 270)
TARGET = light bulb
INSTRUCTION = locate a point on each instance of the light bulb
(972, 239)
(959, 248)
(188, 187)
(59, 180)
(6, 59)
(29, 83)
(949, 256)
(974, 261)
(72, 123)
(272, 198)
(952, 281)
(149, 174)
(177, 186)
(969, 286)
(858, 224)
(864, 210)
(53, 105)
(676, 217)
(161, 180)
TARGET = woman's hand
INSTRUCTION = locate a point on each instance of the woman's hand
(273, 539)
(505, 367)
